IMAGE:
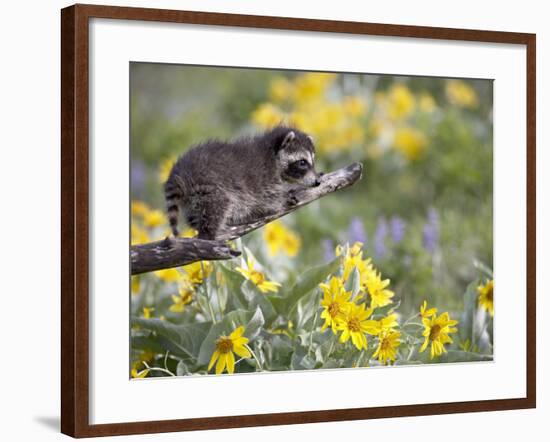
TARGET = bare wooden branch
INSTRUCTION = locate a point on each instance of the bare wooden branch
(175, 252)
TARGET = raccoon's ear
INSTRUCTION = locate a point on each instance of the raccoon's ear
(289, 138)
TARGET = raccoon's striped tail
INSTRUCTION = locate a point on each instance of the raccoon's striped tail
(173, 195)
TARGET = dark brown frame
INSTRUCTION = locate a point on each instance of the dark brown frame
(74, 216)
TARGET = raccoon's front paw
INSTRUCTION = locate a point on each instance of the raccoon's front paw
(292, 199)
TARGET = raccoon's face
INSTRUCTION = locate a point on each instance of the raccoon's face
(297, 156)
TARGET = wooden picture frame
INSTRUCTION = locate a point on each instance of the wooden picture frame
(75, 247)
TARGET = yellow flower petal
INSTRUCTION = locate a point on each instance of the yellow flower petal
(242, 351)
(237, 333)
(230, 361)
(213, 359)
(221, 363)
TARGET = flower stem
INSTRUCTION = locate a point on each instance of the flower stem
(255, 357)
(158, 369)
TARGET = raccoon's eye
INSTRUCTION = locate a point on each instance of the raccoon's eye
(302, 163)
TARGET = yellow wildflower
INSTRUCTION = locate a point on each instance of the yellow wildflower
(280, 89)
(139, 374)
(168, 275)
(302, 121)
(379, 294)
(189, 233)
(486, 297)
(268, 115)
(436, 331)
(355, 323)
(197, 271)
(145, 356)
(354, 250)
(400, 102)
(354, 106)
(353, 258)
(278, 238)
(460, 93)
(331, 115)
(311, 87)
(411, 143)
(388, 342)
(165, 168)
(139, 235)
(148, 312)
(425, 312)
(370, 280)
(334, 302)
(154, 218)
(426, 103)
(388, 323)
(184, 297)
(258, 278)
(136, 283)
(225, 347)
(139, 208)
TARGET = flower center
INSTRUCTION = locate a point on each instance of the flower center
(354, 325)
(257, 277)
(490, 294)
(224, 344)
(385, 345)
(434, 332)
(334, 309)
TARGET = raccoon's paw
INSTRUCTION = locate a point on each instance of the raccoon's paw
(292, 199)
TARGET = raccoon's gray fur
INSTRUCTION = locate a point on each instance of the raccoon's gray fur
(218, 183)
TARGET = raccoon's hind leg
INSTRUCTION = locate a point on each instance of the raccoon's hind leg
(173, 194)
(212, 213)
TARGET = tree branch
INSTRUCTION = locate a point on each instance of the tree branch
(175, 252)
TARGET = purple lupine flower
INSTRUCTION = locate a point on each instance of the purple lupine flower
(380, 248)
(328, 249)
(431, 231)
(356, 231)
(397, 229)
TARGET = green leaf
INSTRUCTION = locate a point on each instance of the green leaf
(306, 310)
(234, 281)
(187, 338)
(257, 299)
(466, 326)
(483, 268)
(301, 360)
(306, 282)
(464, 356)
(182, 369)
(278, 351)
(254, 325)
(385, 311)
(353, 284)
(147, 343)
(220, 293)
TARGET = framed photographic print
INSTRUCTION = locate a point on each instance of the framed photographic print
(272, 220)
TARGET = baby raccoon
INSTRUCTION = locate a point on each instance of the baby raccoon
(218, 184)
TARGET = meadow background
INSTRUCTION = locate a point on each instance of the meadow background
(422, 214)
